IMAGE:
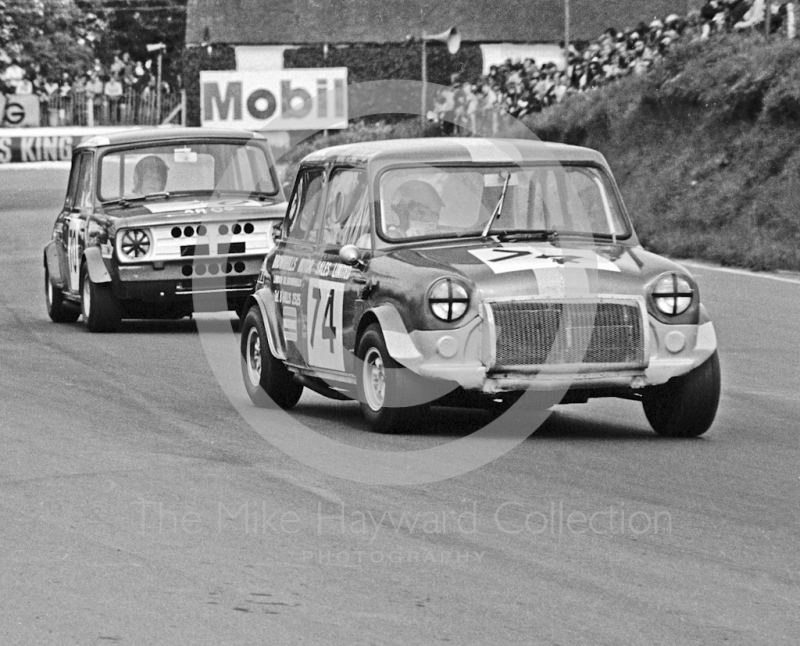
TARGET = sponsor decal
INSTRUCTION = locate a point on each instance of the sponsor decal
(196, 207)
(290, 323)
(312, 267)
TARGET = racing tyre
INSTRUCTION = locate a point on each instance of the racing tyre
(385, 387)
(59, 309)
(685, 406)
(101, 310)
(268, 382)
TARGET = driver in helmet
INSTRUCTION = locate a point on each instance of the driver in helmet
(417, 205)
(150, 175)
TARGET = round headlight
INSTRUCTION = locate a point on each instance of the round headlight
(448, 300)
(135, 243)
(673, 295)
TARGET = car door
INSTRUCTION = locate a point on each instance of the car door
(292, 261)
(336, 290)
(79, 205)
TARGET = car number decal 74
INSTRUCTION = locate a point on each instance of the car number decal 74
(324, 303)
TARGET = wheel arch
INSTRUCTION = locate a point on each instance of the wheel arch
(93, 261)
(53, 265)
(398, 341)
(266, 304)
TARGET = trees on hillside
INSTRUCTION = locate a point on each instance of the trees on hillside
(133, 24)
(48, 36)
(51, 37)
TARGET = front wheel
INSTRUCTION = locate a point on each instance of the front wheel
(269, 384)
(387, 391)
(59, 309)
(101, 310)
(685, 406)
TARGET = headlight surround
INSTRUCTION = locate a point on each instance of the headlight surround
(672, 294)
(448, 299)
(134, 244)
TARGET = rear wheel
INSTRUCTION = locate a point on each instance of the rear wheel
(685, 406)
(101, 310)
(386, 390)
(59, 309)
(269, 384)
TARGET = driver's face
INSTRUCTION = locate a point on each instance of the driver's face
(422, 218)
(152, 182)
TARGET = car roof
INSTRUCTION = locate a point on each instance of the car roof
(452, 149)
(142, 135)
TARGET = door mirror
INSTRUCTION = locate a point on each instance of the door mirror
(277, 231)
(350, 255)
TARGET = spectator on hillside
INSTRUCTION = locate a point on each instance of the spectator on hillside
(94, 97)
(65, 98)
(78, 95)
(444, 109)
(24, 86)
(117, 66)
(735, 11)
(112, 91)
(752, 17)
(13, 75)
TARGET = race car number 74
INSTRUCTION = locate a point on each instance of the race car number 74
(324, 318)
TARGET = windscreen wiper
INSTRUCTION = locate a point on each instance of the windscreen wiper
(538, 234)
(127, 201)
(498, 210)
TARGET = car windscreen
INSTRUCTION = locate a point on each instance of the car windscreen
(456, 201)
(186, 167)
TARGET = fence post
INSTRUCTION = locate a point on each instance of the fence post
(791, 29)
(89, 110)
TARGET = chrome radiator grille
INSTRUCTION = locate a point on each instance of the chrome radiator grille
(530, 333)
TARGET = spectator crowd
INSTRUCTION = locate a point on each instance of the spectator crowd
(515, 89)
(122, 91)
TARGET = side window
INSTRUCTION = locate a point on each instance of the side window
(72, 187)
(83, 196)
(347, 209)
(305, 210)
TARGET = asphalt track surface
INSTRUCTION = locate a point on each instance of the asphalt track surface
(138, 507)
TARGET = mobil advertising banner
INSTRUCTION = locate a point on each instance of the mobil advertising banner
(289, 99)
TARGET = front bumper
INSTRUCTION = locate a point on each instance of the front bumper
(217, 280)
(671, 351)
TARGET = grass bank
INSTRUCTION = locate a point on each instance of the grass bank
(706, 149)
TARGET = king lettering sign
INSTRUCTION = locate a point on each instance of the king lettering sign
(289, 99)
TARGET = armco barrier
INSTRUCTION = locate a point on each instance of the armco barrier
(20, 145)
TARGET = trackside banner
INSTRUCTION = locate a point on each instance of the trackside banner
(20, 145)
(289, 99)
(19, 109)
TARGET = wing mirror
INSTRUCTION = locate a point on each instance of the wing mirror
(277, 231)
(350, 255)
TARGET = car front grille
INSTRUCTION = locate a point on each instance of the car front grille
(534, 333)
(212, 239)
